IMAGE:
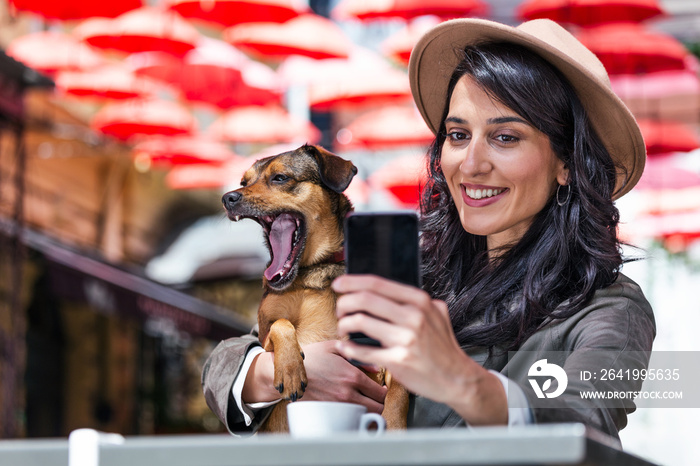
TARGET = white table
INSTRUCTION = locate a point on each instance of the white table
(556, 444)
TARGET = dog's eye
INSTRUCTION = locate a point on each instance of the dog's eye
(279, 178)
(243, 183)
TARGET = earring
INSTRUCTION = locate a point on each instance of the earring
(568, 195)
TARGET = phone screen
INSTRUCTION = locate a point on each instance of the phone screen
(383, 244)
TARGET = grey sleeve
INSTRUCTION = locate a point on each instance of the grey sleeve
(219, 373)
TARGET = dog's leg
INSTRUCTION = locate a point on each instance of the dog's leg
(395, 404)
(290, 375)
(277, 421)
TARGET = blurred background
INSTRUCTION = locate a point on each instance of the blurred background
(123, 122)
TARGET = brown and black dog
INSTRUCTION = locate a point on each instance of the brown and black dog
(297, 197)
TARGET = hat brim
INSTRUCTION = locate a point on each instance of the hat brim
(436, 55)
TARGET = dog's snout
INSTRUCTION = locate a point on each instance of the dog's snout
(230, 199)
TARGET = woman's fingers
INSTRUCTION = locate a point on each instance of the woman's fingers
(393, 290)
(385, 332)
(383, 299)
(333, 378)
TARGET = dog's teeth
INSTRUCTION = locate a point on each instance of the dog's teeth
(237, 217)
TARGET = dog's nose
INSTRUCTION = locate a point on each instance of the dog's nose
(230, 199)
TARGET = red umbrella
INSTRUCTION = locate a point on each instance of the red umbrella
(360, 90)
(143, 117)
(268, 124)
(408, 9)
(662, 137)
(209, 175)
(386, 128)
(666, 187)
(398, 46)
(657, 85)
(665, 95)
(627, 48)
(181, 150)
(403, 177)
(365, 80)
(230, 12)
(144, 29)
(308, 35)
(214, 72)
(107, 82)
(590, 12)
(50, 52)
(75, 9)
(675, 229)
(669, 197)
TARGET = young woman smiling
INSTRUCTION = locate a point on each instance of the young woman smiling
(521, 260)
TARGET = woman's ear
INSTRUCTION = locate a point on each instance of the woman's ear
(563, 174)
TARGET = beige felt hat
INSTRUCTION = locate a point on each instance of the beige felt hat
(434, 58)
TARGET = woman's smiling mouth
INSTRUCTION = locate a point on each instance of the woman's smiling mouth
(485, 192)
(480, 196)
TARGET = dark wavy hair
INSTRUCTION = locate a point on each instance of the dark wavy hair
(568, 252)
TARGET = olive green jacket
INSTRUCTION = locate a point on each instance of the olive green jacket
(615, 330)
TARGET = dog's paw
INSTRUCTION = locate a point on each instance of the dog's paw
(290, 377)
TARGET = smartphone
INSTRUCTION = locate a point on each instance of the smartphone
(383, 244)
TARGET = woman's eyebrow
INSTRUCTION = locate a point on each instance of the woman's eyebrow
(454, 119)
(508, 119)
(490, 121)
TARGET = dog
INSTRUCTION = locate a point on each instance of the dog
(297, 197)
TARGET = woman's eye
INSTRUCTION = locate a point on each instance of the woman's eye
(507, 138)
(457, 136)
(279, 178)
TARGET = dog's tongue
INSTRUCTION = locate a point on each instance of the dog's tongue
(281, 236)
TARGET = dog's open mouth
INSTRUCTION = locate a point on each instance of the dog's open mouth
(285, 234)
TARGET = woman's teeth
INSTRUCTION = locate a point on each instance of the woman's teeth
(483, 193)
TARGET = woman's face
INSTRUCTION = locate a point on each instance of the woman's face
(500, 170)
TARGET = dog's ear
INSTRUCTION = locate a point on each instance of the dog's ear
(336, 172)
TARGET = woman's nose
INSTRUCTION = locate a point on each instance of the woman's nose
(476, 159)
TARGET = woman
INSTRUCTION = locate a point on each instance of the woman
(521, 257)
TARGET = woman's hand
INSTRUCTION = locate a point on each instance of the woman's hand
(418, 346)
(331, 378)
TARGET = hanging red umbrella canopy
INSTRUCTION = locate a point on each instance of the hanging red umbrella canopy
(385, 128)
(657, 85)
(140, 30)
(166, 151)
(215, 73)
(365, 80)
(398, 46)
(666, 173)
(209, 175)
(664, 95)
(662, 137)
(403, 176)
(666, 186)
(627, 48)
(269, 124)
(114, 82)
(75, 9)
(139, 117)
(50, 52)
(590, 12)
(231, 12)
(408, 9)
(309, 35)
(360, 90)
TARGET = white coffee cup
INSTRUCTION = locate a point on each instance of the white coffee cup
(324, 418)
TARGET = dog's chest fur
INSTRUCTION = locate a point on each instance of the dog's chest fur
(309, 303)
